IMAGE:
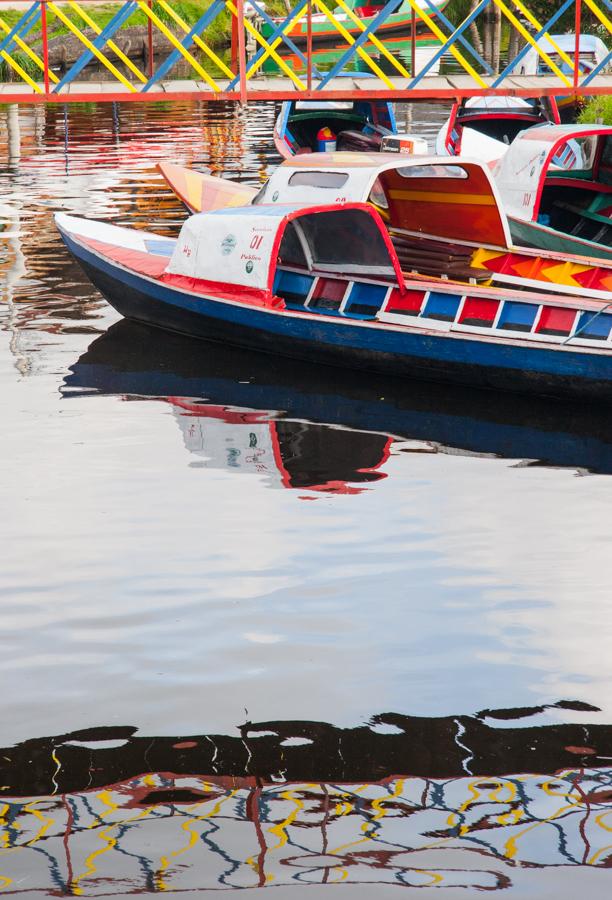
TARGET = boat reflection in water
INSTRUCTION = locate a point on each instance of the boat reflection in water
(107, 812)
(327, 430)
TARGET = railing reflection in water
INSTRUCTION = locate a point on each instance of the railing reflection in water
(159, 832)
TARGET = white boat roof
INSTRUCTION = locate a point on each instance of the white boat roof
(462, 184)
(241, 246)
(520, 173)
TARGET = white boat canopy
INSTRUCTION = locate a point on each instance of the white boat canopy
(455, 199)
(551, 150)
(592, 51)
(243, 246)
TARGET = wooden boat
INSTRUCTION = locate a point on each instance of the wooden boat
(324, 283)
(556, 186)
(397, 23)
(358, 125)
(413, 194)
(484, 127)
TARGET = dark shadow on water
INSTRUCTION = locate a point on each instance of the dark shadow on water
(331, 427)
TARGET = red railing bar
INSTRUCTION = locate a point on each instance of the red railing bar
(241, 51)
(150, 39)
(309, 47)
(413, 42)
(45, 45)
(234, 63)
(578, 24)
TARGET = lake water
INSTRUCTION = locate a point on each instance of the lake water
(266, 625)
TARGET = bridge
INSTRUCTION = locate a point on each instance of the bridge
(75, 51)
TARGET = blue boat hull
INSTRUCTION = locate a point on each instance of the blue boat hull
(350, 343)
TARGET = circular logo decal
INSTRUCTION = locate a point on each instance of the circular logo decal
(274, 196)
(228, 244)
(249, 266)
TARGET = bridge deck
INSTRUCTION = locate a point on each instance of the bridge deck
(266, 89)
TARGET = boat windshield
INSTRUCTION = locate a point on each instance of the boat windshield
(588, 61)
(339, 240)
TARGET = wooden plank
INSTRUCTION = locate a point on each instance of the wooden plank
(464, 81)
(276, 84)
(186, 84)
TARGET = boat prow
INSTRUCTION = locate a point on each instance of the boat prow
(202, 192)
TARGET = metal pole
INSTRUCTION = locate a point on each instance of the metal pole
(241, 51)
(309, 47)
(578, 24)
(45, 43)
(150, 40)
(234, 64)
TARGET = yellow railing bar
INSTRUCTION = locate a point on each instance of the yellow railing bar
(15, 65)
(531, 18)
(443, 38)
(84, 40)
(197, 39)
(110, 44)
(373, 39)
(523, 31)
(178, 46)
(28, 50)
(605, 21)
(270, 49)
(351, 40)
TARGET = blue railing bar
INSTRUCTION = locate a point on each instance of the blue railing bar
(385, 12)
(24, 24)
(536, 37)
(203, 22)
(597, 70)
(286, 39)
(449, 41)
(278, 32)
(107, 32)
(463, 41)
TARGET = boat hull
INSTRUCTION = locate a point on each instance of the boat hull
(531, 234)
(355, 344)
(324, 32)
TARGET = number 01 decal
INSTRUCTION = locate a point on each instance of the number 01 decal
(256, 241)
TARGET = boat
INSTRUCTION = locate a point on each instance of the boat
(324, 283)
(561, 50)
(413, 194)
(484, 127)
(350, 125)
(354, 16)
(562, 208)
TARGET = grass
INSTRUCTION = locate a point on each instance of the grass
(217, 34)
(598, 109)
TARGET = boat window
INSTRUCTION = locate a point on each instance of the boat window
(378, 196)
(291, 251)
(577, 154)
(347, 239)
(259, 196)
(436, 171)
(605, 165)
(318, 179)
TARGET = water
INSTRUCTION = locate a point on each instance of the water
(270, 625)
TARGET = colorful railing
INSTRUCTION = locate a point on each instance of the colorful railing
(226, 49)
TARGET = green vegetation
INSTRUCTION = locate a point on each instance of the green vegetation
(217, 34)
(598, 109)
